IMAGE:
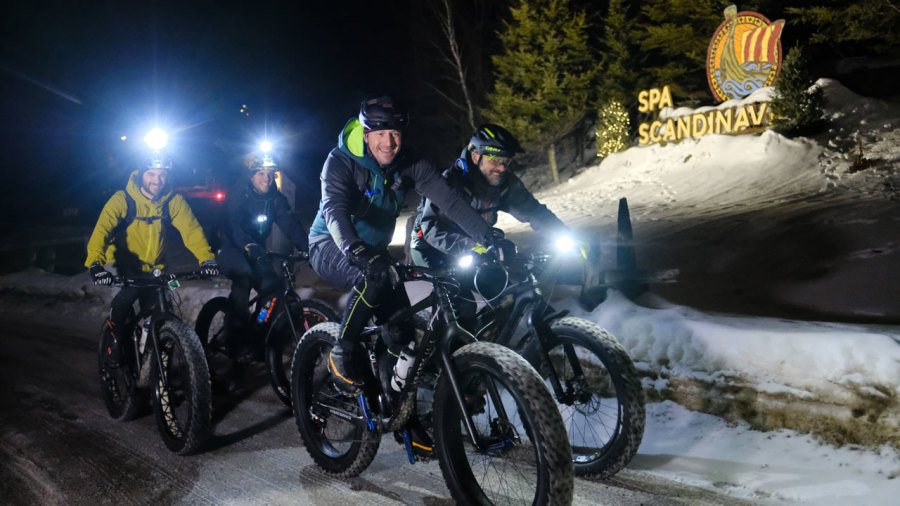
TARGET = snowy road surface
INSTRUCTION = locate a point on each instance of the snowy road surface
(58, 446)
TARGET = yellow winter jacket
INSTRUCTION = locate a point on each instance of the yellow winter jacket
(145, 239)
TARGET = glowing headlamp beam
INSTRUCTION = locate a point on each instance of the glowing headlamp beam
(156, 139)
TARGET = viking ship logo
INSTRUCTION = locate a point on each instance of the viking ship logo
(744, 54)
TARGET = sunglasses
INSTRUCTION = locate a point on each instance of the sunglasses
(499, 160)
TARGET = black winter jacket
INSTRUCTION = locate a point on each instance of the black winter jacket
(250, 217)
(434, 230)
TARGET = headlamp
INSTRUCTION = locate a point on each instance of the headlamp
(156, 139)
(465, 261)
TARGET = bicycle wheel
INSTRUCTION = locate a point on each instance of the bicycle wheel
(181, 388)
(210, 325)
(338, 445)
(603, 405)
(282, 339)
(118, 385)
(210, 328)
(526, 457)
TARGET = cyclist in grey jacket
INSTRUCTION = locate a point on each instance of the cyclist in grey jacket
(364, 183)
(482, 174)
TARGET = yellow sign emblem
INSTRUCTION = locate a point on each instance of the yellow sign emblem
(744, 54)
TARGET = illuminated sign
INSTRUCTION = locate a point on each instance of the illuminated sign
(744, 54)
(740, 119)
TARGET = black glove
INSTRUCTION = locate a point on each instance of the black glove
(377, 266)
(255, 252)
(209, 268)
(100, 276)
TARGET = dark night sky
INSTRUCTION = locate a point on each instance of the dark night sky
(78, 75)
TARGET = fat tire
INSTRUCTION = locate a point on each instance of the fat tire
(537, 409)
(310, 375)
(627, 428)
(183, 433)
(308, 313)
(212, 343)
(123, 403)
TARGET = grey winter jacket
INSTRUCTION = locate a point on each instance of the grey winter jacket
(434, 230)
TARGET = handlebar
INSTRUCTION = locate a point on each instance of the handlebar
(294, 257)
(158, 280)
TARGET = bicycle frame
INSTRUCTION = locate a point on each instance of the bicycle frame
(445, 341)
(529, 302)
(159, 313)
(282, 302)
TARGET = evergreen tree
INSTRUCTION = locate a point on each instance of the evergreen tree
(673, 36)
(798, 107)
(868, 26)
(612, 129)
(543, 76)
(618, 79)
(619, 75)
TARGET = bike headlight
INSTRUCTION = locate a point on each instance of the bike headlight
(465, 261)
(261, 218)
(565, 244)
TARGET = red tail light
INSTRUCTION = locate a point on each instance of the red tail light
(220, 196)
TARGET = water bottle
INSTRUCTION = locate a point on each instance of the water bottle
(401, 368)
(144, 333)
(264, 312)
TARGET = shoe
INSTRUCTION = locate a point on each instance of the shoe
(341, 373)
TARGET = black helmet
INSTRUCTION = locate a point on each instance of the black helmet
(382, 113)
(494, 140)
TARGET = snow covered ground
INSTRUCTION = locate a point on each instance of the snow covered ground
(827, 395)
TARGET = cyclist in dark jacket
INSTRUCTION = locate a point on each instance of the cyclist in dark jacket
(364, 182)
(482, 174)
(252, 211)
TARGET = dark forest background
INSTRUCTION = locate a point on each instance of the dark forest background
(77, 76)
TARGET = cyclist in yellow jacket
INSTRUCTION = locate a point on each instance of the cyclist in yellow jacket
(131, 232)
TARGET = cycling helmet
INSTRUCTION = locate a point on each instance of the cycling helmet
(156, 162)
(494, 140)
(382, 113)
(258, 163)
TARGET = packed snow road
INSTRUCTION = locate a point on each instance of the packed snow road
(58, 446)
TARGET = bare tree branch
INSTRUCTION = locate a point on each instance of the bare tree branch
(449, 99)
(892, 5)
(450, 34)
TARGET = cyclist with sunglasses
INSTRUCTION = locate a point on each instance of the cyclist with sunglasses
(482, 173)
